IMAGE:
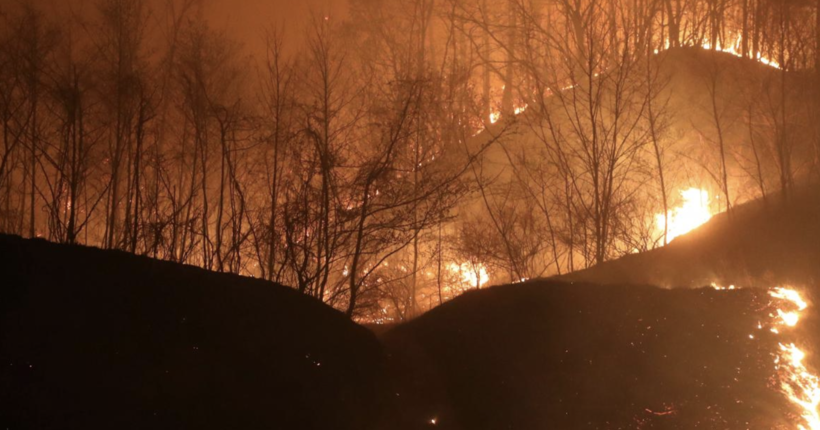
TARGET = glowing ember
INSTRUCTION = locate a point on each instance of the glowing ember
(692, 214)
(494, 117)
(800, 385)
(471, 275)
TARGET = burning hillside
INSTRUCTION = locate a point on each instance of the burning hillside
(797, 382)
(761, 243)
(693, 212)
(398, 153)
(590, 357)
(171, 339)
(387, 165)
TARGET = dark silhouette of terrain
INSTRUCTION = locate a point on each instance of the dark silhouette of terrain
(562, 356)
(93, 339)
(99, 339)
(591, 350)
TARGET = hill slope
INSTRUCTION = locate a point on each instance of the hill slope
(762, 244)
(592, 350)
(552, 355)
(99, 340)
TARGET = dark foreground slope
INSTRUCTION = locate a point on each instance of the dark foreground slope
(98, 339)
(92, 339)
(546, 355)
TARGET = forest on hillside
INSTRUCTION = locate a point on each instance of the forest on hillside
(414, 150)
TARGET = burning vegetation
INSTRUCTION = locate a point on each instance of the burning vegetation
(585, 356)
(170, 346)
(389, 160)
(797, 382)
(385, 166)
(693, 212)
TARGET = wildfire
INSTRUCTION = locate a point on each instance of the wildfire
(495, 116)
(692, 214)
(801, 386)
(472, 275)
(733, 48)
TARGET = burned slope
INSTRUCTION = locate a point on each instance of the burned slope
(553, 355)
(762, 243)
(98, 340)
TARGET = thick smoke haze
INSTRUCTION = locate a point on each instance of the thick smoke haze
(242, 20)
(246, 20)
(388, 214)
(385, 156)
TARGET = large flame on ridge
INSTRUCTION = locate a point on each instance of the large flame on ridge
(693, 213)
(733, 48)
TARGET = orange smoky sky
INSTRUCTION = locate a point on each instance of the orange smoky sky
(247, 20)
(244, 21)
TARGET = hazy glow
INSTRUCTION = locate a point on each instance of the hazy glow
(692, 214)
(733, 48)
(789, 318)
(471, 275)
(494, 117)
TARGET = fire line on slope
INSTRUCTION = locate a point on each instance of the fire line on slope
(795, 380)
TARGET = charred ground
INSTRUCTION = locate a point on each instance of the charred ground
(580, 356)
(98, 339)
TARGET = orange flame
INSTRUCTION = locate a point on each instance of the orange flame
(471, 275)
(797, 382)
(733, 48)
(692, 214)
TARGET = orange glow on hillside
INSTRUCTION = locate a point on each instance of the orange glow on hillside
(734, 48)
(693, 213)
(470, 275)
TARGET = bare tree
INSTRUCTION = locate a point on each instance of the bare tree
(279, 103)
(35, 39)
(120, 40)
(713, 81)
(71, 204)
(658, 121)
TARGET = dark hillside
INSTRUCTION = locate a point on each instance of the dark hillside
(551, 355)
(92, 339)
